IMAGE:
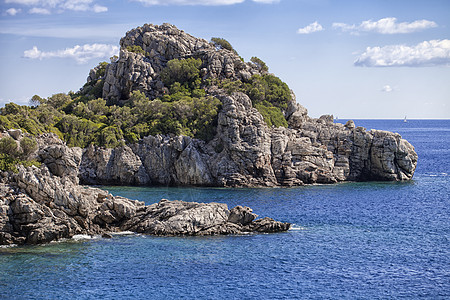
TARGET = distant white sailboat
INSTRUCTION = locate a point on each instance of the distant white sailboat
(405, 120)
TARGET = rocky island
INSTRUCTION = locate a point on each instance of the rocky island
(174, 110)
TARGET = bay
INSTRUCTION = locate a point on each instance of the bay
(376, 240)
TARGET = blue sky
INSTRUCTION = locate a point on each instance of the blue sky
(353, 59)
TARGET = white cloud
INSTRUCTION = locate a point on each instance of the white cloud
(99, 9)
(313, 27)
(386, 26)
(24, 2)
(13, 11)
(80, 53)
(103, 32)
(199, 2)
(427, 53)
(387, 88)
(189, 2)
(47, 6)
(266, 1)
(39, 11)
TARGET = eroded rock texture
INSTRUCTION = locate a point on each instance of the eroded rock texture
(40, 205)
(244, 152)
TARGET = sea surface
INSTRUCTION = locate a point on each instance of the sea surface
(376, 240)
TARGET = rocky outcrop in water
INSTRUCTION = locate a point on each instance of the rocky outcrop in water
(40, 205)
(245, 151)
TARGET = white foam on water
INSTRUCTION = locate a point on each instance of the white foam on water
(436, 174)
(122, 233)
(80, 237)
(7, 246)
(296, 227)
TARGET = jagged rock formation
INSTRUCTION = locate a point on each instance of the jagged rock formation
(135, 71)
(39, 205)
(244, 152)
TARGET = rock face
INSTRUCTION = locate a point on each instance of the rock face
(244, 152)
(37, 206)
(135, 71)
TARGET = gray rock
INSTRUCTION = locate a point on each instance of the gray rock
(61, 160)
(241, 215)
(350, 124)
(15, 133)
(162, 43)
(37, 206)
(244, 152)
(112, 166)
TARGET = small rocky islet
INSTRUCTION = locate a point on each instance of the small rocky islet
(51, 202)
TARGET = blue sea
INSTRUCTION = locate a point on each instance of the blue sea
(376, 240)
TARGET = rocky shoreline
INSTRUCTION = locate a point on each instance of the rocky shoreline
(38, 206)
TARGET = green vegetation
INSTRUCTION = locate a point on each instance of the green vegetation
(185, 73)
(272, 115)
(84, 118)
(137, 49)
(11, 154)
(8, 146)
(268, 93)
(259, 63)
(221, 43)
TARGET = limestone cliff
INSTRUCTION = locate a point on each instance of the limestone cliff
(245, 151)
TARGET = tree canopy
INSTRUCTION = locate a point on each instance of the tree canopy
(84, 118)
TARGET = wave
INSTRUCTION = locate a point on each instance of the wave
(295, 227)
(123, 233)
(82, 237)
(442, 174)
(7, 246)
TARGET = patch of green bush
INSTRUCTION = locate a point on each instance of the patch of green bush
(28, 146)
(8, 163)
(137, 49)
(259, 63)
(183, 72)
(11, 155)
(8, 146)
(272, 115)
